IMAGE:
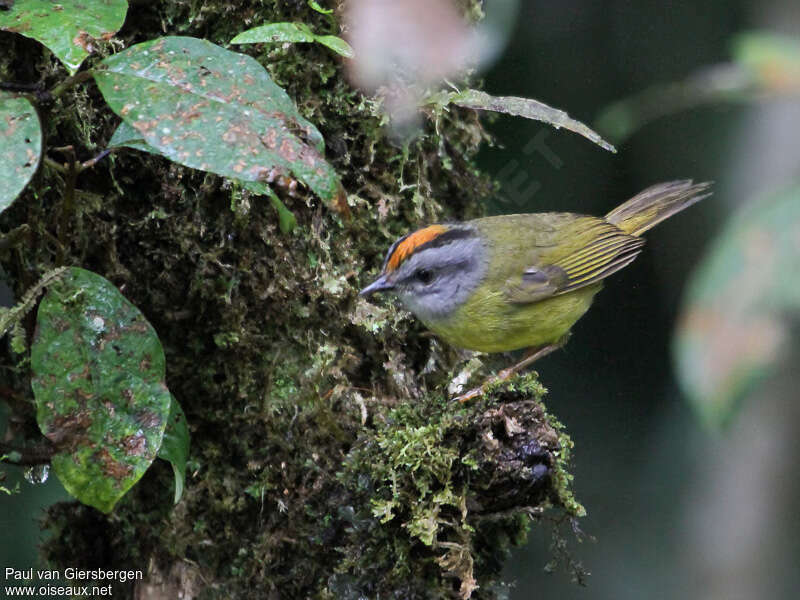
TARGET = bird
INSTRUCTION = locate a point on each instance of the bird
(520, 281)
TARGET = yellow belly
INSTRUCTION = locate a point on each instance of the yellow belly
(488, 323)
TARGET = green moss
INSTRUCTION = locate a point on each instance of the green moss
(452, 485)
(326, 461)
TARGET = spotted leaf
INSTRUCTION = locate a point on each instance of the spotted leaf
(98, 384)
(20, 146)
(69, 29)
(215, 110)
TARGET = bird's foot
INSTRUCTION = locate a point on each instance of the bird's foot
(531, 356)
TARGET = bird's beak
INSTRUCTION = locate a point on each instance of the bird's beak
(379, 285)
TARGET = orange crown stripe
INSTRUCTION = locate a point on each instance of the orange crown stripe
(412, 242)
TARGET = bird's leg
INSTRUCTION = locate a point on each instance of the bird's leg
(531, 356)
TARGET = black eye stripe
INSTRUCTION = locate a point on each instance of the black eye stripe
(451, 235)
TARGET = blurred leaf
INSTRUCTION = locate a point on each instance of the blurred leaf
(211, 109)
(175, 447)
(764, 64)
(773, 58)
(521, 107)
(98, 384)
(734, 323)
(68, 29)
(292, 32)
(20, 146)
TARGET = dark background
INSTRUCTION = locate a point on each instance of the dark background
(676, 510)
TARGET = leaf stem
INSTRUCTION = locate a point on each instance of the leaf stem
(69, 82)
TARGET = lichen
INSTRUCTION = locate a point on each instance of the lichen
(327, 460)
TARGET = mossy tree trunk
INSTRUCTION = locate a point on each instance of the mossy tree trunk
(327, 460)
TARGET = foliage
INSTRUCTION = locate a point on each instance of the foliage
(70, 30)
(292, 32)
(520, 107)
(20, 146)
(98, 382)
(175, 447)
(215, 110)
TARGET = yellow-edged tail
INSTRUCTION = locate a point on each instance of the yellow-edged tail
(651, 206)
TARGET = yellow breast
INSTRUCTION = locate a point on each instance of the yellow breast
(487, 322)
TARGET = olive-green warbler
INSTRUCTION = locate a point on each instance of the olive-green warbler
(520, 281)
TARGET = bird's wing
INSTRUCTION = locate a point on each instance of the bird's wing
(608, 250)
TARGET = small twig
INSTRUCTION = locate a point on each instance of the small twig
(13, 86)
(13, 237)
(62, 87)
(18, 311)
(80, 167)
(54, 165)
(93, 161)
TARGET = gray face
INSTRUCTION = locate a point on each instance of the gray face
(435, 280)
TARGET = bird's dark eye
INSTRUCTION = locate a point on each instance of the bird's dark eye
(424, 276)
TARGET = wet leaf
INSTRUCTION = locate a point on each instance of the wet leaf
(98, 384)
(20, 146)
(521, 107)
(292, 32)
(215, 110)
(336, 44)
(275, 32)
(735, 320)
(175, 447)
(68, 29)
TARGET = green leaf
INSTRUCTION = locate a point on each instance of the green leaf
(20, 146)
(336, 44)
(275, 32)
(215, 110)
(292, 32)
(520, 107)
(286, 219)
(98, 384)
(314, 5)
(127, 136)
(69, 29)
(175, 447)
(740, 301)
